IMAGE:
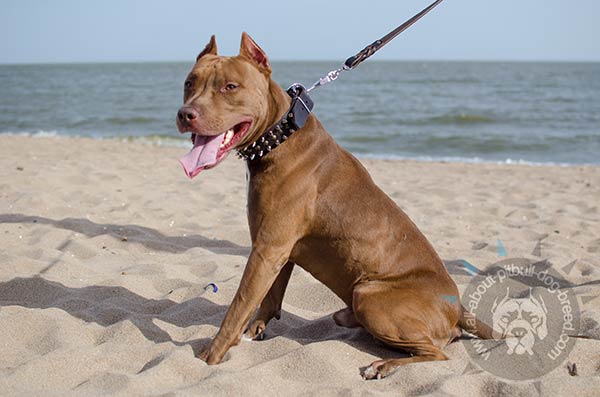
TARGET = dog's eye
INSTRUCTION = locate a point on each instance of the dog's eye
(229, 87)
(534, 319)
(188, 84)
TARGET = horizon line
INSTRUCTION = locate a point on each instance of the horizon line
(284, 60)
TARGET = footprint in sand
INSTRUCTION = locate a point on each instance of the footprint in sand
(594, 246)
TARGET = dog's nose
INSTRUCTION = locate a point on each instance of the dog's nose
(187, 114)
(518, 332)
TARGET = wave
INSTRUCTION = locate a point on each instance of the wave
(442, 81)
(491, 147)
(155, 139)
(469, 160)
(132, 120)
(480, 144)
(116, 121)
(461, 118)
(183, 141)
(39, 133)
(367, 119)
(159, 140)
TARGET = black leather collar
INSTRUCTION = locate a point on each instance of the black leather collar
(294, 119)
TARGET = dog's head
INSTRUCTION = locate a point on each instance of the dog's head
(520, 320)
(225, 101)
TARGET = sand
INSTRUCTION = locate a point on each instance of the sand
(106, 250)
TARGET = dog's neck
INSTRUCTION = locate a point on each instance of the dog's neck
(279, 103)
(306, 149)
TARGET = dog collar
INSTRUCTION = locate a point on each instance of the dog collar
(294, 119)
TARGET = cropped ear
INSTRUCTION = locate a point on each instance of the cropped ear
(211, 48)
(250, 50)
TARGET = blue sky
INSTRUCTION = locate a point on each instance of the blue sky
(40, 31)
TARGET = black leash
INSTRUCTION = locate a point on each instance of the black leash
(302, 105)
(352, 62)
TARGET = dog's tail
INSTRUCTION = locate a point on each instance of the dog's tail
(470, 323)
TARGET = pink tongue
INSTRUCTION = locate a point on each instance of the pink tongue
(203, 154)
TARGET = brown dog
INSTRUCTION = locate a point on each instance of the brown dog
(312, 204)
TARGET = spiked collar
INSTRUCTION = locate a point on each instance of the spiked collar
(292, 121)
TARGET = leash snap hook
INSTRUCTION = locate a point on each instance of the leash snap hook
(333, 75)
(328, 78)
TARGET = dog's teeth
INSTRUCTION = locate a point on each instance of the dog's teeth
(228, 135)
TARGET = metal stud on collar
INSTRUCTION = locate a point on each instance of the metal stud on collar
(293, 120)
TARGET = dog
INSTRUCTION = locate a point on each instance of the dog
(520, 321)
(312, 204)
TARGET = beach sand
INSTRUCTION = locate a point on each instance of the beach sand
(106, 250)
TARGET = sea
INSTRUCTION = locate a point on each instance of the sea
(500, 112)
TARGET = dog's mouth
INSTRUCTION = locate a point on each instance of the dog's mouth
(210, 150)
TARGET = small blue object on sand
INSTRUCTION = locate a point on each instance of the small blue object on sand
(472, 270)
(501, 250)
(214, 287)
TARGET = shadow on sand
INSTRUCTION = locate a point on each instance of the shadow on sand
(150, 238)
(109, 305)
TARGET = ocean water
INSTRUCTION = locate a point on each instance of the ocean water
(463, 111)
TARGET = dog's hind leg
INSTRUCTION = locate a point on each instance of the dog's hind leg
(423, 351)
(405, 319)
(271, 304)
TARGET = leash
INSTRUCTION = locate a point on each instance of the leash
(302, 105)
(352, 62)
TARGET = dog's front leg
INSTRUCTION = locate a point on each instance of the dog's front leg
(261, 271)
(271, 305)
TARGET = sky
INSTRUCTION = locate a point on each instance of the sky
(64, 31)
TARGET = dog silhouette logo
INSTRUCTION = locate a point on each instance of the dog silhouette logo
(533, 313)
(521, 321)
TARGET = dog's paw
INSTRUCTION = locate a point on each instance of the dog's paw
(371, 372)
(377, 370)
(256, 331)
(209, 355)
